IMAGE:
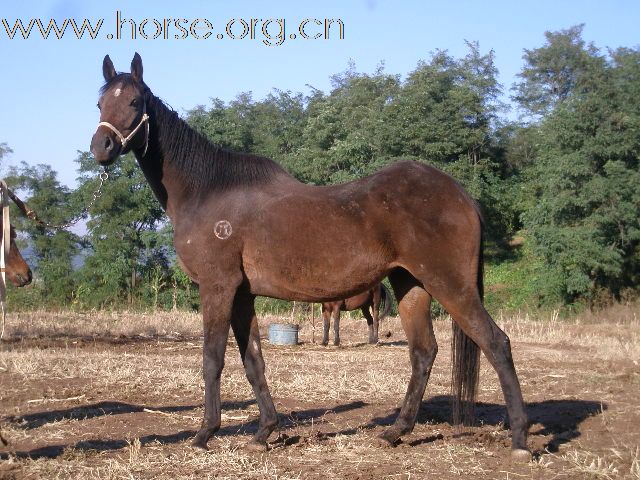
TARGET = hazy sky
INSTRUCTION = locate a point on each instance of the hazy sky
(48, 88)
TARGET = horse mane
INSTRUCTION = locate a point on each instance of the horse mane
(203, 165)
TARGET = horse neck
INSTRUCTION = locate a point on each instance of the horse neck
(182, 166)
(156, 164)
(151, 165)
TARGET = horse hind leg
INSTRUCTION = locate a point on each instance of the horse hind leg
(373, 334)
(470, 315)
(375, 308)
(414, 304)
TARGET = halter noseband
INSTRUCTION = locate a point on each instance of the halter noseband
(124, 140)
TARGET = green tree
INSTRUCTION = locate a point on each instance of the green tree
(271, 127)
(554, 71)
(341, 137)
(583, 185)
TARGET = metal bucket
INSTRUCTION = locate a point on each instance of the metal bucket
(283, 334)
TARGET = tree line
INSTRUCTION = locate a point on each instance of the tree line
(558, 187)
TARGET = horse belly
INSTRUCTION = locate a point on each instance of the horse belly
(308, 274)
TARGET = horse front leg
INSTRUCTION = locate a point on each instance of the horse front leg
(217, 301)
(245, 328)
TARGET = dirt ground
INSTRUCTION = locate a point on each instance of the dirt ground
(120, 396)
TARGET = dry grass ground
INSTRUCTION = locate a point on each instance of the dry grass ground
(106, 396)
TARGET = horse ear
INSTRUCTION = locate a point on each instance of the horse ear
(107, 68)
(136, 68)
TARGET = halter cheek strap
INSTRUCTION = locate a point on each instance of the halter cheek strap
(125, 140)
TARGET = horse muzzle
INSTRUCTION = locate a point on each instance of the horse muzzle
(105, 147)
(21, 280)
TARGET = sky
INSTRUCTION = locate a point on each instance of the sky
(49, 87)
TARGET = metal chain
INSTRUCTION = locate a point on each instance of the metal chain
(97, 193)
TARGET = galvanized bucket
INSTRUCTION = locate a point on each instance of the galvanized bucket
(283, 334)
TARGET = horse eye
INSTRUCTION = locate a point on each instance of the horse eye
(98, 105)
(134, 102)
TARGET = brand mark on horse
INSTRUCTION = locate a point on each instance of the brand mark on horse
(222, 229)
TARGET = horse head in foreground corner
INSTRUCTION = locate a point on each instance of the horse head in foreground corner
(16, 267)
(244, 227)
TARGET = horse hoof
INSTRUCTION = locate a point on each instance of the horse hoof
(200, 441)
(255, 446)
(386, 439)
(382, 442)
(199, 444)
(520, 455)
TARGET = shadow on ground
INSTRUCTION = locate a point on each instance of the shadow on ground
(35, 420)
(559, 419)
(85, 412)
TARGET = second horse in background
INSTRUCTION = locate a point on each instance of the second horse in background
(375, 299)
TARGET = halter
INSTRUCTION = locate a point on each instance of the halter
(124, 140)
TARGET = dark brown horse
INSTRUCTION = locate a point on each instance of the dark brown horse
(244, 227)
(369, 302)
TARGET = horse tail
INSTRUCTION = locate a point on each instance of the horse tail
(385, 301)
(465, 359)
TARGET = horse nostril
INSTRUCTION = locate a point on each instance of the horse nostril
(108, 144)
